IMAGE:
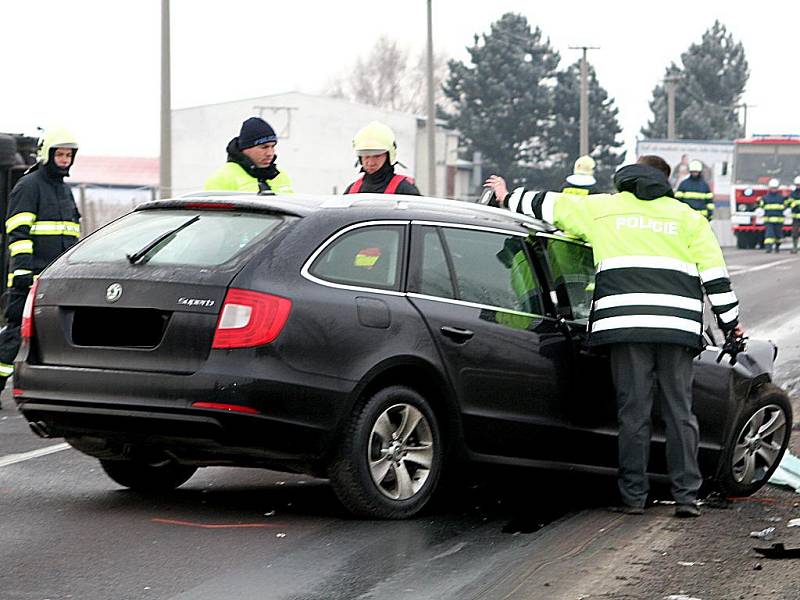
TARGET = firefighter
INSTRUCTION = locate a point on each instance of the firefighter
(43, 221)
(376, 150)
(654, 257)
(773, 204)
(794, 207)
(251, 162)
(582, 180)
(695, 192)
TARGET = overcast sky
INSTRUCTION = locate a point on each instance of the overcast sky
(93, 65)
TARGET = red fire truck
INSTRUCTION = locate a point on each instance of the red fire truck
(756, 160)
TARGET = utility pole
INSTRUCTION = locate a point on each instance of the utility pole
(744, 106)
(671, 83)
(165, 157)
(584, 138)
(431, 109)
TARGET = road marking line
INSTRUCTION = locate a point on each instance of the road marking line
(214, 526)
(17, 458)
(762, 267)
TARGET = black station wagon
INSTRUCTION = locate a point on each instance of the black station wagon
(372, 340)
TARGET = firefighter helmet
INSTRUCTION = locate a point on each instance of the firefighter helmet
(797, 180)
(774, 184)
(55, 138)
(375, 138)
(695, 166)
(583, 172)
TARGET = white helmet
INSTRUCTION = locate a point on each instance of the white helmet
(774, 184)
(695, 166)
(797, 180)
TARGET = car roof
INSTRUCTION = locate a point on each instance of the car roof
(384, 206)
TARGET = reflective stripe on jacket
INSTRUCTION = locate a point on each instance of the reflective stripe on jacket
(231, 176)
(773, 204)
(697, 194)
(794, 202)
(654, 258)
(42, 222)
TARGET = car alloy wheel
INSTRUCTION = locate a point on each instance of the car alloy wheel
(759, 444)
(400, 451)
(758, 440)
(389, 455)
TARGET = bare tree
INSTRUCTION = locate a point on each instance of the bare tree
(388, 77)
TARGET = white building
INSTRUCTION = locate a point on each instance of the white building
(315, 136)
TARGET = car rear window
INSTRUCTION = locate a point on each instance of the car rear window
(202, 238)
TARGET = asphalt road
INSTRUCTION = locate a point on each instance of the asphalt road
(66, 531)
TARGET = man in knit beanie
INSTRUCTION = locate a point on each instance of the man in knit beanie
(251, 162)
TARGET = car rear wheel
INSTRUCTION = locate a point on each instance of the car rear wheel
(390, 456)
(148, 477)
(760, 438)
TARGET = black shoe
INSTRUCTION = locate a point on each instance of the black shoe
(626, 509)
(687, 511)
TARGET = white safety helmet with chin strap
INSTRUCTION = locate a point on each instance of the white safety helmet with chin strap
(56, 138)
(375, 138)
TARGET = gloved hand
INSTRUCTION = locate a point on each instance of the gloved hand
(23, 282)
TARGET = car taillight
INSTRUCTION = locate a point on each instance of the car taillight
(250, 319)
(26, 330)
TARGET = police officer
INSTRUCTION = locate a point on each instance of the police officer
(654, 258)
(695, 192)
(772, 204)
(794, 206)
(43, 221)
(251, 162)
(376, 150)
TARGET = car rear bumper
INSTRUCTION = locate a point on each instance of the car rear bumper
(110, 413)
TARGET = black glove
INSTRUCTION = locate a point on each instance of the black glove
(23, 282)
(732, 346)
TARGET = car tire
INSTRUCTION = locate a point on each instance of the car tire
(389, 457)
(145, 477)
(760, 438)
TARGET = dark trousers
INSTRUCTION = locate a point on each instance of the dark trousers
(640, 372)
(773, 234)
(9, 335)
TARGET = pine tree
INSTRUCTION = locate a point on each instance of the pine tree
(710, 85)
(603, 128)
(502, 101)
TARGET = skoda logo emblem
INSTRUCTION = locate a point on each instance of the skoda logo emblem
(113, 292)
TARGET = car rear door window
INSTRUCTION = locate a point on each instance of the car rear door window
(493, 269)
(213, 238)
(434, 278)
(365, 257)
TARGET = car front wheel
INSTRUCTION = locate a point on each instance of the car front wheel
(389, 457)
(760, 438)
(147, 477)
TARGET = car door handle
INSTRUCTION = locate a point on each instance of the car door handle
(457, 334)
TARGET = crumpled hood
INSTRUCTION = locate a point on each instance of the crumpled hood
(644, 182)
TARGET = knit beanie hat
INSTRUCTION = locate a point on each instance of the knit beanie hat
(254, 132)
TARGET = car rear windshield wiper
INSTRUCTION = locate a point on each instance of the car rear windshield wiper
(161, 240)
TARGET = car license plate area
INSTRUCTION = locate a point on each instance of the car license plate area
(118, 327)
